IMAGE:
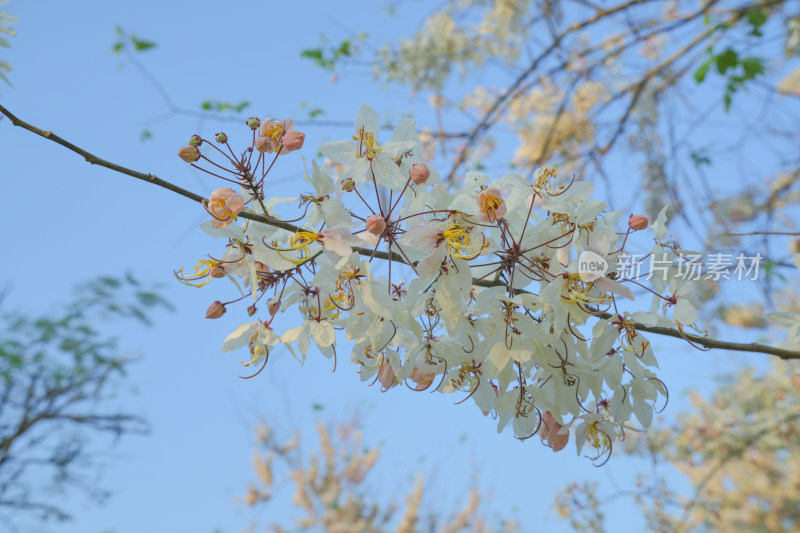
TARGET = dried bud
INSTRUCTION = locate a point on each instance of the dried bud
(195, 140)
(190, 154)
(293, 140)
(222, 138)
(638, 222)
(265, 144)
(376, 224)
(253, 122)
(215, 310)
(419, 173)
(348, 185)
(251, 310)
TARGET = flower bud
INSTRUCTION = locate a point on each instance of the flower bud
(215, 310)
(265, 144)
(195, 140)
(293, 140)
(253, 122)
(348, 185)
(222, 138)
(251, 310)
(419, 173)
(376, 224)
(637, 222)
(190, 154)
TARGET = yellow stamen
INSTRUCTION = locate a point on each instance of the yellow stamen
(578, 291)
(366, 141)
(489, 205)
(300, 241)
(202, 273)
(457, 239)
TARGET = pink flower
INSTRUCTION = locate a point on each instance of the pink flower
(419, 173)
(492, 205)
(549, 432)
(224, 205)
(376, 224)
(422, 379)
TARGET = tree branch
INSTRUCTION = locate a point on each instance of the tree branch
(393, 256)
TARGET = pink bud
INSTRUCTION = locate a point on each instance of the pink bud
(217, 272)
(386, 376)
(637, 222)
(293, 140)
(215, 310)
(190, 154)
(348, 185)
(549, 433)
(265, 144)
(419, 173)
(376, 224)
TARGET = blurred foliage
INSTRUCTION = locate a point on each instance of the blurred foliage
(6, 19)
(59, 374)
(735, 449)
(129, 41)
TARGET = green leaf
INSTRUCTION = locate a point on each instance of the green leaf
(314, 113)
(700, 158)
(700, 74)
(753, 66)
(146, 135)
(140, 45)
(118, 47)
(725, 60)
(756, 19)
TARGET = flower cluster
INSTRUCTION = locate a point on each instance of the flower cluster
(479, 289)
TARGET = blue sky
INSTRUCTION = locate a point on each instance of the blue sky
(73, 222)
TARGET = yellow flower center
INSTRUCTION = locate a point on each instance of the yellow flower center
(489, 205)
(578, 291)
(366, 144)
(299, 242)
(458, 242)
